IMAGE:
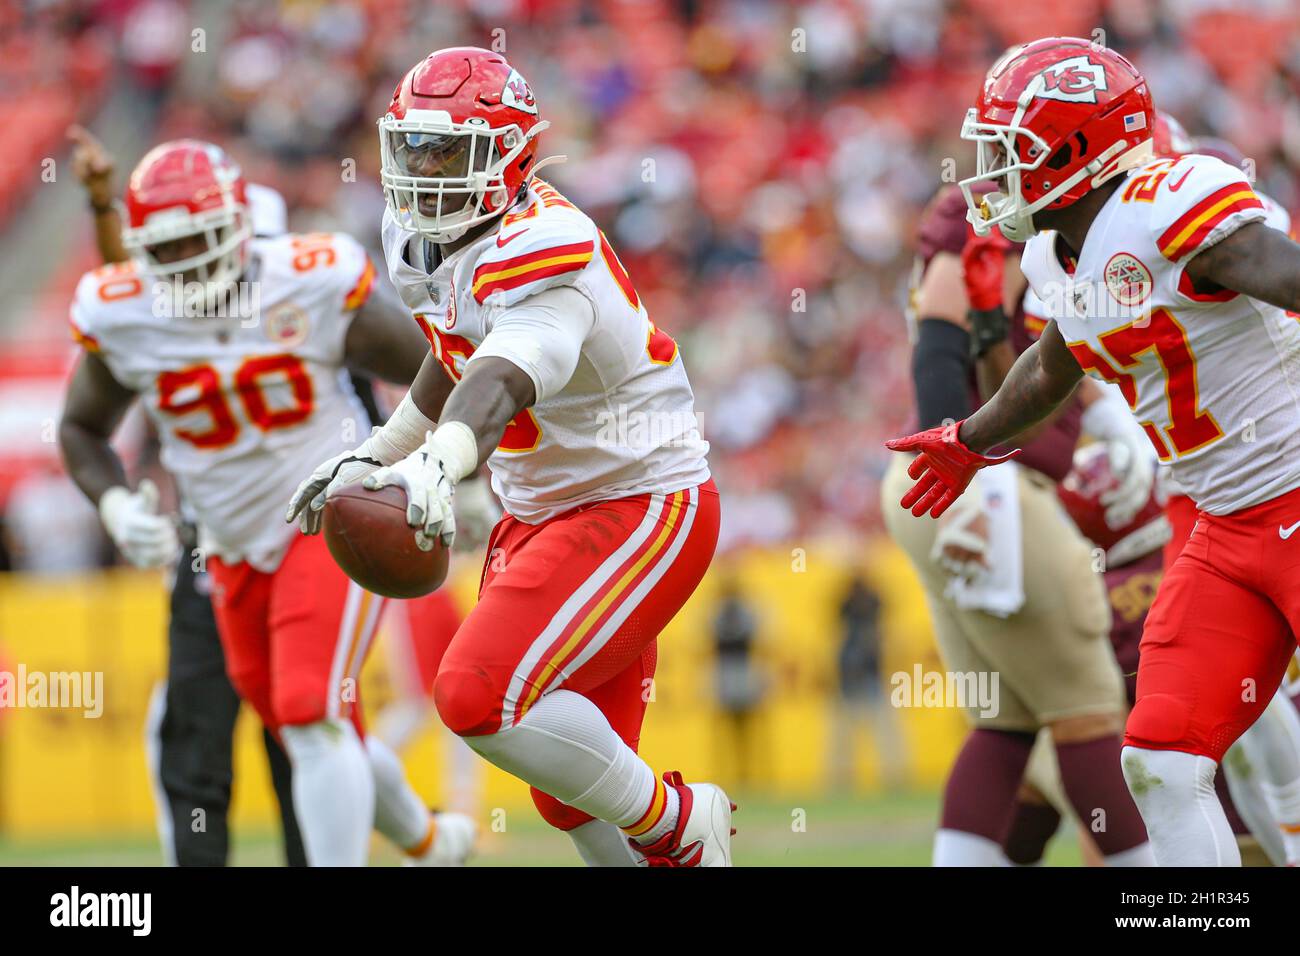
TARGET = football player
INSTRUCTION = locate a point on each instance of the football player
(583, 412)
(236, 345)
(993, 572)
(193, 711)
(1160, 276)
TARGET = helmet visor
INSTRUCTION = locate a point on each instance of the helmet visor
(440, 165)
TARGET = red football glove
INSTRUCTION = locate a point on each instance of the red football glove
(983, 260)
(943, 469)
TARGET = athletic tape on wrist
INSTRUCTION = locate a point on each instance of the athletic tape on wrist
(455, 446)
(402, 434)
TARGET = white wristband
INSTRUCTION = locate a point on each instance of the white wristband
(110, 505)
(455, 446)
(402, 434)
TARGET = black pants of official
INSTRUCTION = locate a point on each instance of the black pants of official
(196, 731)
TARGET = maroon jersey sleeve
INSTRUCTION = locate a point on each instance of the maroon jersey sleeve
(943, 225)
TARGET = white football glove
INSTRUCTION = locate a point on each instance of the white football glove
(961, 545)
(308, 502)
(1132, 459)
(1135, 467)
(145, 538)
(477, 513)
(405, 429)
(429, 476)
(429, 491)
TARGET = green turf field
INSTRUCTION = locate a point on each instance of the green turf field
(837, 831)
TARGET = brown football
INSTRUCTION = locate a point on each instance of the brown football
(370, 540)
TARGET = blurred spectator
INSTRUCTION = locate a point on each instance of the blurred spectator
(757, 164)
(861, 702)
(50, 527)
(739, 682)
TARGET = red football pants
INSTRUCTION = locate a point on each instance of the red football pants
(295, 639)
(576, 602)
(1181, 512)
(1221, 631)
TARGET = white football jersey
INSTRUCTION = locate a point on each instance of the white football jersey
(246, 405)
(623, 423)
(1214, 379)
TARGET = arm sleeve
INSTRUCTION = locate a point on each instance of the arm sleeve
(941, 372)
(543, 335)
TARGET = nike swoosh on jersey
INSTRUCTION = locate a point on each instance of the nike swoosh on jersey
(1285, 533)
(501, 243)
(1175, 186)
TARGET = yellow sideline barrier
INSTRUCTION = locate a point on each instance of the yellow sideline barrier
(63, 774)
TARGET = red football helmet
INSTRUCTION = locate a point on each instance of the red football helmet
(1091, 476)
(1169, 139)
(1055, 119)
(459, 142)
(182, 189)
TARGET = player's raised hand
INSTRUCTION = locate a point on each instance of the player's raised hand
(942, 470)
(92, 164)
(308, 501)
(145, 538)
(429, 490)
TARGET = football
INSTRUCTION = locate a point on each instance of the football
(367, 534)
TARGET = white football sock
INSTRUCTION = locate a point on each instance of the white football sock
(959, 848)
(1174, 792)
(399, 722)
(400, 814)
(464, 781)
(1271, 747)
(602, 844)
(1247, 790)
(1140, 855)
(333, 791)
(565, 747)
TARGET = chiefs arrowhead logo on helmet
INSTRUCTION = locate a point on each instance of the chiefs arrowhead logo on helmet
(458, 145)
(517, 93)
(1075, 80)
(1054, 120)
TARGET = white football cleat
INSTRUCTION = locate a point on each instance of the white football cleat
(453, 841)
(702, 835)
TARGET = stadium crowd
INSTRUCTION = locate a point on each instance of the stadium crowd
(758, 164)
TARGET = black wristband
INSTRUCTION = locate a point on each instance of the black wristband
(99, 210)
(988, 327)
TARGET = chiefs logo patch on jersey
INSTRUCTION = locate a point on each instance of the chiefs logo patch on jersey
(1128, 280)
(287, 324)
(1075, 80)
(518, 94)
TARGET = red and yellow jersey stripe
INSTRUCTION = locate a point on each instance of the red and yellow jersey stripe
(1189, 230)
(360, 292)
(512, 273)
(87, 342)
